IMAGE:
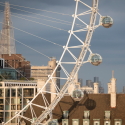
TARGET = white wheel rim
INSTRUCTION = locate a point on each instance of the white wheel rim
(78, 62)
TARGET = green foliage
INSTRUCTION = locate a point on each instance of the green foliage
(31, 78)
(22, 78)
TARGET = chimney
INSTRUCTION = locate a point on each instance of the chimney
(113, 92)
(96, 89)
(109, 88)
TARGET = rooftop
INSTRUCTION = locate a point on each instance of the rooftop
(97, 104)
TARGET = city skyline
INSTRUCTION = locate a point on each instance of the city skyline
(109, 43)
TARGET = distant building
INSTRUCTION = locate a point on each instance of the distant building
(88, 90)
(42, 72)
(101, 90)
(80, 81)
(96, 79)
(123, 89)
(7, 41)
(89, 83)
(18, 62)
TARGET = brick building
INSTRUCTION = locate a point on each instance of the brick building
(18, 62)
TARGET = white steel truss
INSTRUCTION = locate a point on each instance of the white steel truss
(70, 76)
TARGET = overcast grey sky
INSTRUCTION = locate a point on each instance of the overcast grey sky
(109, 43)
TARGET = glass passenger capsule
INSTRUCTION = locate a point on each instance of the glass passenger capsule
(95, 59)
(107, 21)
(53, 122)
(77, 94)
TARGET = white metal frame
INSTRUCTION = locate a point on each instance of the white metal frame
(78, 61)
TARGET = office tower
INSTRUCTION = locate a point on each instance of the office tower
(101, 89)
(96, 79)
(123, 89)
(80, 81)
(7, 42)
(89, 83)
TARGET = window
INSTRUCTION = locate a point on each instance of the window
(118, 121)
(85, 121)
(75, 121)
(64, 121)
(107, 123)
(13, 92)
(107, 114)
(86, 114)
(53, 122)
(19, 64)
(96, 121)
(12, 63)
(1, 92)
(65, 114)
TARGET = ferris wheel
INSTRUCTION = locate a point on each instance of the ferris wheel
(94, 59)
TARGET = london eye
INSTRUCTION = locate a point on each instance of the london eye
(94, 59)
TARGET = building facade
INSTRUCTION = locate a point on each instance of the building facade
(14, 95)
(42, 72)
(89, 83)
(8, 73)
(101, 89)
(18, 62)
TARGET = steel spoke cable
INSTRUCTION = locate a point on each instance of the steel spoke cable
(27, 46)
(40, 23)
(34, 35)
(37, 14)
(39, 9)
(20, 57)
(43, 16)
(46, 16)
